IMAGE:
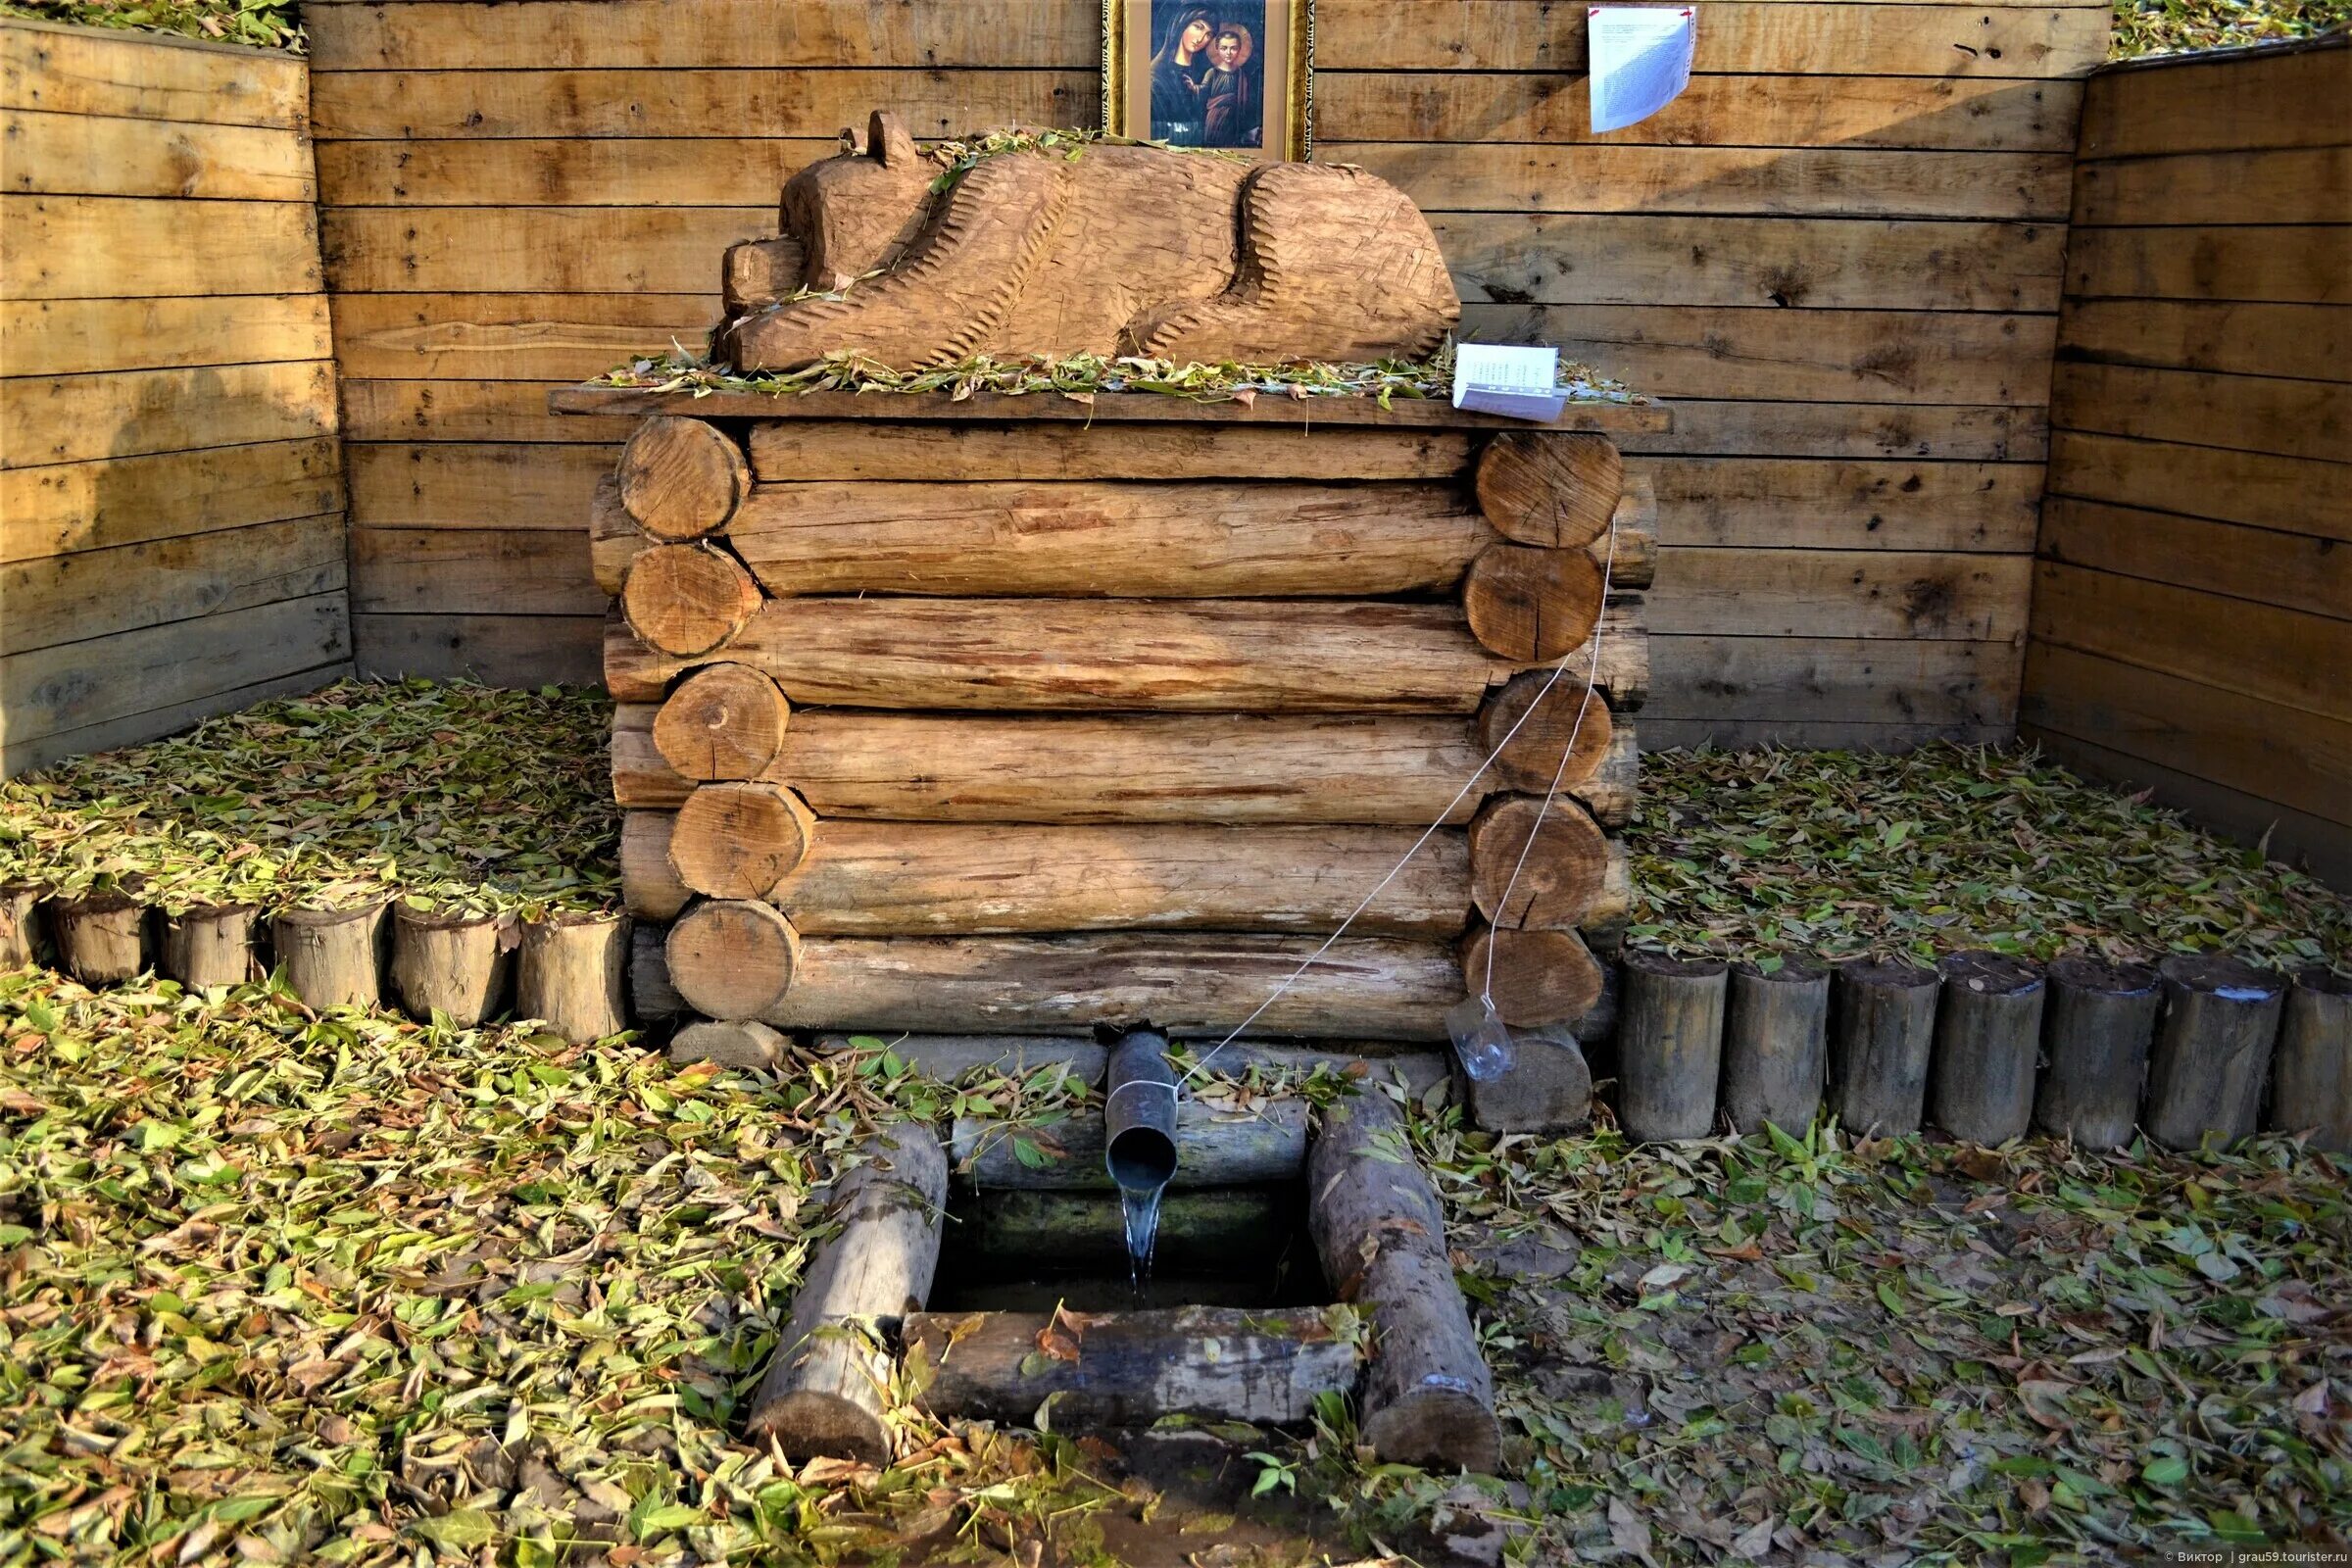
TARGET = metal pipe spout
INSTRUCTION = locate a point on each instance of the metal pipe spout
(1139, 1111)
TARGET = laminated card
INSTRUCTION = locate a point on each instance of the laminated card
(1521, 383)
(1641, 60)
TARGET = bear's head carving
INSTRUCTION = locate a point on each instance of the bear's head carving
(857, 209)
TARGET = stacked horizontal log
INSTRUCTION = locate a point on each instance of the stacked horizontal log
(1080, 725)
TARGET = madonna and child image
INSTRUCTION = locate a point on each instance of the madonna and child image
(1208, 76)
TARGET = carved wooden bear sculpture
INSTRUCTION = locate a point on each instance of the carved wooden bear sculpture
(1121, 250)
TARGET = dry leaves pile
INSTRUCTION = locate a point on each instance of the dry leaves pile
(463, 796)
(1843, 853)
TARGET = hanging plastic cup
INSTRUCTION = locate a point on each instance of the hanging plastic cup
(1481, 1041)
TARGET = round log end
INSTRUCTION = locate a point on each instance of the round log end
(1993, 975)
(1669, 966)
(1529, 727)
(2100, 977)
(725, 722)
(732, 958)
(1527, 604)
(1553, 881)
(1886, 974)
(687, 600)
(807, 1424)
(1791, 970)
(737, 841)
(1538, 977)
(1553, 489)
(2218, 974)
(1438, 1429)
(2321, 980)
(682, 478)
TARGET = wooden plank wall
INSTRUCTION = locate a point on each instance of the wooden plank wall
(2192, 613)
(172, 535)
(1841, 247)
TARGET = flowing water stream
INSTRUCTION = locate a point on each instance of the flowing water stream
(1141, 1206)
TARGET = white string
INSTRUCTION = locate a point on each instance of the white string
(1559, 668)
(1609, 565)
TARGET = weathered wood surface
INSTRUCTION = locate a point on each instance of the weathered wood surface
(1533, 977)
(1881, 1032)
(1670, 1045)
(1558, 491)
(953, 1059)
(1218, 1146)
(1427, 1398)
(877, 448)
(459, 966)
(739, 840)
(1206, 655)
(1987, 1038)
(1194, 985)
(1128, 250)
(2311, 1072)
(1776, 1045)
(828, 1391)
(653, 999)
(1546, 1089)
(1107, 408)
(687, 600)
(21, 940)
(2095, 1030)
(1130, 1369)
(740, 1042)
(1545, 869)
(2213, 1048)
(569, 974)
(1138, 768)
(333, 957)
(103, 939)
(212, 945)
(725, 722)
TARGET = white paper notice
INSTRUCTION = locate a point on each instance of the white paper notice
(1639, 59)
(1521, 383)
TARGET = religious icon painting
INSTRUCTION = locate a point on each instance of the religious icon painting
(1220, 74)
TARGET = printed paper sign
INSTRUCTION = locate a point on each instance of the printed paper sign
(1641, 60)
(1521, 383)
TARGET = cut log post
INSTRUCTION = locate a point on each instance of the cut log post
(571, 974)
(333, 957)
(1130, 1369)
(682, 478)
(2311, 1082)
(1368, 987)
(212, 945)
(1559, 881)
(1547, 1089)
(1882, 1039)
(1533, 977)
(1670, 1045)
(1062, 1232)
(688, 600)
(1532, 719)
(1139, 768)
(1427, 1398)
(737, 841)
(459, 965)
(2095, 1030)
(1987, 1038)
(952, 878)
(827, 1392)
(725, 722)
(739, 1043)
(1556, 490)
(614, 537)
(1776, 1045)
(2213, 1048)
(102, 939)
(733, 958)
(649, 885)
(20, 924)
(653, 999)
(1218, 1146)
(1532, 606)
(1171, 654)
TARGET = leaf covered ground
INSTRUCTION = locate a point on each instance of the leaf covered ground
(275, 1288)
(2168, 26)
(264, 24)
(456, 795)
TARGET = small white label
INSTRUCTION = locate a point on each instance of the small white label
(1521, 383)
